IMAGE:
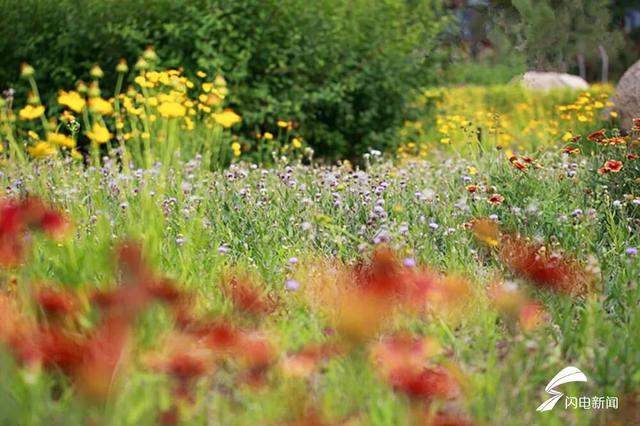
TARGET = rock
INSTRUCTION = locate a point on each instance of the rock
(552, 80)
(627, 96)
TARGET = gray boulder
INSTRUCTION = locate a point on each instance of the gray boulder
(552, 80)
(627, 97)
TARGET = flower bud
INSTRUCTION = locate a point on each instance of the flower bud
(26, 71)
(96, 72)
(150, 54)
(122, 67)
(94, 90)
(142, 64)
(81, 87)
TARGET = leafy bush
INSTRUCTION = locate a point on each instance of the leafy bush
(344, 71)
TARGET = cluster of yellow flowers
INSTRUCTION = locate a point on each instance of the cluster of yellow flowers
(145, 110)
(508, 116)
(158, 112)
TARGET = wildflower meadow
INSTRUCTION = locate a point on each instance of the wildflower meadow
(180, 248)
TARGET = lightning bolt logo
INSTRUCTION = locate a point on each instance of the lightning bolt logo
(567, 375)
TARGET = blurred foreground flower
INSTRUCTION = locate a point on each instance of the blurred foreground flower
(17, 217)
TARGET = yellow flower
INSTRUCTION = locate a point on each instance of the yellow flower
(61, 140)
(33, 135)
(201, 74)
(75, 154)
(236, 147)
(613, 114)
(282, 124)
(41, 150)
(268, 136)
(71, 100)
(567, 137)
(206, 87)
(296, 143)
(99, 134)
(100, 106)
(172, 110)
(227, 118)
(31, 112)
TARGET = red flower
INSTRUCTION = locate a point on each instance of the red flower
(426, 384)
(472, 188)
(546, 271)
(248, 299)
(615, 140)
(571, 150)
(613, 166)
(56, 302)
(597, 136)
(58, 349)
(16, 217)
(632, 157)
(518, 165)
(11, 251)
(219, 336)
(495, 199)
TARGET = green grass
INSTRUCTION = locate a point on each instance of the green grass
(265, 217)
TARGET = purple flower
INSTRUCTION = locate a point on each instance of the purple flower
(293, 260)
(292, 285)
(409, 262)
(223, 249)
(631, 251)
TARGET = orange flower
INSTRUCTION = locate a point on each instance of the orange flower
(613, 166)
(472, 188)
(304, 363)
(104, 357)
(495, 199)
(403, 351)
(518, 165)
(597, 136)
(571, 150)
(487, 232)
(515, 306)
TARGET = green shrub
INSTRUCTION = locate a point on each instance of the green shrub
(345, 71)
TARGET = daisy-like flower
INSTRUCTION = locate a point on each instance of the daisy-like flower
(72, 100)
(31, 112)
(99, 134)
(227, 118)
(597, 136)
(41, 150)
(61, 140)
(613, 166)
(495, 199)
(172, 110)
(571, 150)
